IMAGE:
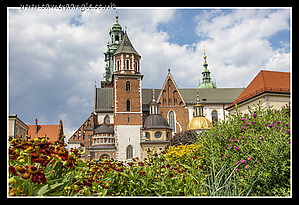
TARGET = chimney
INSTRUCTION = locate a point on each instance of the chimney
(60, 132)
(36, 126)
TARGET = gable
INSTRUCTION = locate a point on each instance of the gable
(170, 94)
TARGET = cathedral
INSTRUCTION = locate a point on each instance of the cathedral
(128, 119)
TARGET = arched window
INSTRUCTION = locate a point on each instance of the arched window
(127, 64)
(129, 152)
(128, 105)
(116, 39)
(171, 120)
(214, 116)
(128, 86)
(107, 119)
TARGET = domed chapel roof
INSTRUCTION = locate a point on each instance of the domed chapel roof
(199, 123)
(155, 121)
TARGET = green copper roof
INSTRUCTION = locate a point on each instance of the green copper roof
(207, 81)
(126, 46)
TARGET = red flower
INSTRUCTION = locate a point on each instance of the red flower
(12, 169)
(131, 164)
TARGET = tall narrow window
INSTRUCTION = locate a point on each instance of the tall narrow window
(116, 39)
(128, 86)
(107, 119)
(214, 116)
(171, 120)
(127, 64)
(128, 105)
(129, 152)
(136, 65)
(117, 65)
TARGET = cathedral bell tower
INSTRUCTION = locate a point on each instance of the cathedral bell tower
(116, 37)
(127, 100)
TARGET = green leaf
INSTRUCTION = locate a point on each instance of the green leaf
(42, 190)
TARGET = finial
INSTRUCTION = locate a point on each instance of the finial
(116, 16)
(154, 95)
(197, 96)
(125, 28)
(168, 70)
(108, 42)
(205, 57)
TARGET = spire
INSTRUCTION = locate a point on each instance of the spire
(153, 105)
(126, 46)
(198, 108)
(197, 97)
(207, 81)
(205, 57)
(116, 17)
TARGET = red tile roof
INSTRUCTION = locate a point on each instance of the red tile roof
(265, 81)
(53, 132)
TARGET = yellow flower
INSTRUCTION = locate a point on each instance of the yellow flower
(33, 170)
(11, 180)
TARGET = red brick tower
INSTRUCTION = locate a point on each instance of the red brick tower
(127, 100)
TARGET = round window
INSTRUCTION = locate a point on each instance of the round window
(157, 134)
(147, 135)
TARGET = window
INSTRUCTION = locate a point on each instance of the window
(171, 120)
(168, 135)
(117, 65)
(158, 134)
(164, 101)
(129, 152)
(175, 101)
(107, 119)
(136, 65)
(214, 116)
(128, 105)
(127, 64)
(116, 39)
(128, 86)
(147, 135)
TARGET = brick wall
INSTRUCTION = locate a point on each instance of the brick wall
(181, 116)
(92, 120)
(122, 95)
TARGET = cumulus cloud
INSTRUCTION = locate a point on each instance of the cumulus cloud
(56, 56)
(237, 44)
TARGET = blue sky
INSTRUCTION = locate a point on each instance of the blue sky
(55, 56)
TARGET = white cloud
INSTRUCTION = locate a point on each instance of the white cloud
(55, 56)
(237, 42)
(280, 61)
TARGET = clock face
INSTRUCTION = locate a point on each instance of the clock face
(147, 135)
(158, 135)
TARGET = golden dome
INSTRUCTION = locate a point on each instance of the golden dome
(199, 123)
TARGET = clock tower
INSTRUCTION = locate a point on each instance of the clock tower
(116, 37)
(127, 100)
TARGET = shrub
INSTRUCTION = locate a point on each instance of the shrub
(185, 138)
(255, 148)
